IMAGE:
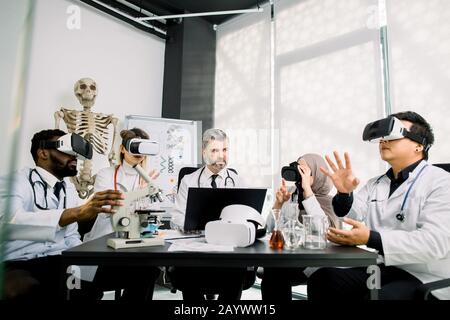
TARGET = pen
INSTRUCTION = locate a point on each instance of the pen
(189, 237)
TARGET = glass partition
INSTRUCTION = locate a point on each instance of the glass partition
(16, 17)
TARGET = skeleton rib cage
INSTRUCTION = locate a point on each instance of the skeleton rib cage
(92, 126)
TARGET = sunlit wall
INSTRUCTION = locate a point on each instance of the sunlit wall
(419, 33)
(327, 84)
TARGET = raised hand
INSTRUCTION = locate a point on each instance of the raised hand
(342, 177)
(154, 174)
(96, 203)
(282, 195)
(305, 173)
(99, 202)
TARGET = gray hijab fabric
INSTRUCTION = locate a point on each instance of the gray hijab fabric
(321, 186)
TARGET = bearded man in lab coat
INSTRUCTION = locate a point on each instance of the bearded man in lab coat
(404, 214)
(195, 281)
(44, 209)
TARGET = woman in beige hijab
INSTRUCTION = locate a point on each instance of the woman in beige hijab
(313, 199)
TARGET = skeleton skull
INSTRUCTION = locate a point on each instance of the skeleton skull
(86, 91)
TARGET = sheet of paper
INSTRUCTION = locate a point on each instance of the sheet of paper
(198, 245)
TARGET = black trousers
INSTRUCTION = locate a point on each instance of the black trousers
(350, 284)
(276, 283)
(195, 282)
(39, 279)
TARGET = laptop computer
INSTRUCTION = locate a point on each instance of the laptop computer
(206, 204)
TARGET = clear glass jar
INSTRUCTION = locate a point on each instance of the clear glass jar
(315, 231)
(292, 229)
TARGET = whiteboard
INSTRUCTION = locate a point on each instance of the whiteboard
(179, 146)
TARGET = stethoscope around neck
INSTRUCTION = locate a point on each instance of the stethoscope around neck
(401, 215)
(228, 177)
(116, 170)
(43, 185)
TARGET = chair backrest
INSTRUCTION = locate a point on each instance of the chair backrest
(184, 171)
(188, 170)
(445, 166)
(85, 227)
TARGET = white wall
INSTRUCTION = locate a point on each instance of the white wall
(127, 63)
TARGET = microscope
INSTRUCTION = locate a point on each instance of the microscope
(128, 222)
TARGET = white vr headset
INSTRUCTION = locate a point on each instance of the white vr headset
(141, 146)
(72, 144)
(391, 128)
(237, 226)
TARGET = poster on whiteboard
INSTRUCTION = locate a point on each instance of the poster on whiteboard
(179, 146)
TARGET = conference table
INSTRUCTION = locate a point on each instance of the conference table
(96, 252)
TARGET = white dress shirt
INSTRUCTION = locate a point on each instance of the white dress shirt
(201, 178)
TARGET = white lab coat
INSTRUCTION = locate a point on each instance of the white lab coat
(226, 179)
(35, 233)
(421, 243)
(127, 180)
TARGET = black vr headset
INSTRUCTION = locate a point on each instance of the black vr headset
(72, 144)
(290, 173)
(391, 128)
(139, 146)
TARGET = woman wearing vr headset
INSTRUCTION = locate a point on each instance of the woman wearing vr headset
(312, 196)
(124, 177)
(403, 214)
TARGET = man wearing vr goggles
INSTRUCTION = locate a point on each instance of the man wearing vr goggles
(44, 209)
(403, 214)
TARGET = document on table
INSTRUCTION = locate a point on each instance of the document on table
(198, 245)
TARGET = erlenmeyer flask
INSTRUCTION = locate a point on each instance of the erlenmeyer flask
(276, 239)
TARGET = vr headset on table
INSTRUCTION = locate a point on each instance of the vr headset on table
(71, 144)
(391, 128)
(139, 146)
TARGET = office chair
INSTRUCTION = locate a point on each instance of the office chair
(85, 226)
(184, 171)
(210, 289)
(424, 291)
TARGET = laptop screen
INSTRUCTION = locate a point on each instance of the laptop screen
(206, 204)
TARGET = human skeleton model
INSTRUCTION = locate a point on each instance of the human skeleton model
(93, 127)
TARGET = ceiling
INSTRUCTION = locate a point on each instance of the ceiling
(129, 10)
(166, 7)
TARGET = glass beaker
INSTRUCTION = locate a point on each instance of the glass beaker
(276, 239)
(315, 231)
(292, 229)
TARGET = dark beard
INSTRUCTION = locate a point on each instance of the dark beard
(62, 169)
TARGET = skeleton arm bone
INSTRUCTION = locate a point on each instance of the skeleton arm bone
(58, 115)
(112, 154)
